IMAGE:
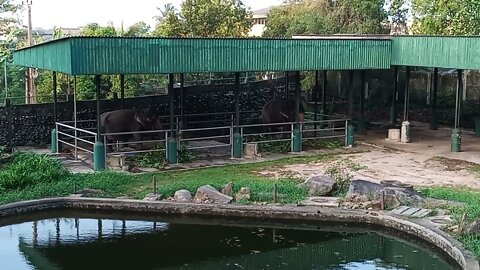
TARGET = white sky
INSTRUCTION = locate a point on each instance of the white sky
(69, 13)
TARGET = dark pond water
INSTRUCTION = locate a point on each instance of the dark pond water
(71, 243)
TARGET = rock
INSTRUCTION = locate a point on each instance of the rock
(153, 197)
(319, 185)
(321, 202)
(360, 199)
(372, 205)
(228, 189)
(473, 228)
(182, 195)
(362, 187)
(243, 194)
(87, 192)
(395, 197)
(208, 194)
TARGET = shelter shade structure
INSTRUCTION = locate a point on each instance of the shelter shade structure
(97, 56)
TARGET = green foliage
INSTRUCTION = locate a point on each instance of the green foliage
(446, 17)
(185, 155)
(155, 159)
(472, 210)
(27, 169)
(138, 29)
(274, 147)
(328, 144)
(397, 14)
(340, 172)
(8, 20)
(326, 17)
(205, 18)
(95, 30)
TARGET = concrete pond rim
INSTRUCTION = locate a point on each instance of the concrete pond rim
(289, 217)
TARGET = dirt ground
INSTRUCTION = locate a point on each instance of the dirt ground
(377, 165)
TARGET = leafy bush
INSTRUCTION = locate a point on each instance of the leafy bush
(155, 159)
(26, 169)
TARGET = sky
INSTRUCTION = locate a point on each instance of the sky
(68, 13)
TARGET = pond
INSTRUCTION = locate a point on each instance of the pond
(106, 243)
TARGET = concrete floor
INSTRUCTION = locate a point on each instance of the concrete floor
(428, 142)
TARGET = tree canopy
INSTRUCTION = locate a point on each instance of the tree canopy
(446, 17)
(327, 17)
(205, 18)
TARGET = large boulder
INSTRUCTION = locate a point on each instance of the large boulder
(404, 196)
(363, 188)
(153, 197)
(392, 196)
(182, 195)
(208, 194)
(319, 185)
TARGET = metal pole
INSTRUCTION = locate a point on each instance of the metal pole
(237, 101)
(75, 114)
(315, 97)
(393, 109)
(97, 86)
(171, 96)
(286, 84)
(458, 97)
(182, 99)
(122, 90)
(31, 83)
(433, 122)
(362, 93)
(407, 94)
(297, 98)
(350, 93)
(324, 91)
(55, 98)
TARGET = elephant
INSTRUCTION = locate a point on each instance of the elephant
(129, 120)
(280, 110)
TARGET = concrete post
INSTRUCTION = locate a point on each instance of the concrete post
(99, 156)
(350, 135)
(54, 141)
(405, 132)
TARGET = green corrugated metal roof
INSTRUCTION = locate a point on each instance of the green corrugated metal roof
(143, 55)
(434, 51)
(120, 55)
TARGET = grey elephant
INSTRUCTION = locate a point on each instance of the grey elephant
(129, 120)
(281, 110)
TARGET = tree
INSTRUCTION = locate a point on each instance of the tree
(446, 17)
(138, 29)
(397, 14)
(327, 17)
(205, 18)
(8, 20)
(94, 29)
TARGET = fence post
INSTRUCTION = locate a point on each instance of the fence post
(9, 110)
(54, 140)
(99, 152)
(350, 134)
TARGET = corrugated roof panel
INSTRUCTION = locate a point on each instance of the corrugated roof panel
(56, 58)
(441, 52)
(181, 55)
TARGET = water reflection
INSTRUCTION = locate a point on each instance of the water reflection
(66, 243)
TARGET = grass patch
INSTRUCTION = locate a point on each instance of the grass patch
(115, 184)
(472, 209)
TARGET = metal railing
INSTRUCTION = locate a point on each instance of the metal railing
(74, 137)
(84, 136)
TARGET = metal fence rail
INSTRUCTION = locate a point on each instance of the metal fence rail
(71, 136)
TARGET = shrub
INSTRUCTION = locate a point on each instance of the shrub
(26, 169)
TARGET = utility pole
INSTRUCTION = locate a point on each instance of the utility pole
(30, 94)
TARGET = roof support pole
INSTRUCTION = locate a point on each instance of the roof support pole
(316, 90)
(324, 92)
(407, 94)
(351, 74)
(182, 101)
(54, 134)
(433, 101)
(297, 131)
(172, 148)
(287, 81)
(237, 134)
(75, 113)
(122, 90)
(361, 119)
(393, 109)
(99, 147)
(456, 143)
(405, 131)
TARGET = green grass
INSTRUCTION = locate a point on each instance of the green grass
(472, 209)
(136, 186)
